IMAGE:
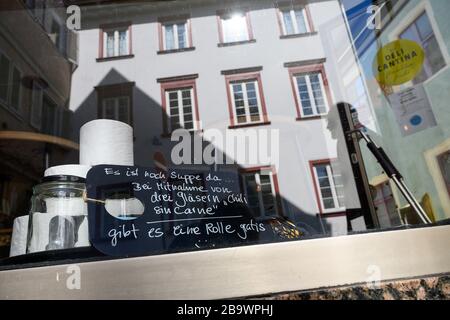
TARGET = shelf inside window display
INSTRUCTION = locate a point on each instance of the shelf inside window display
(181, 209)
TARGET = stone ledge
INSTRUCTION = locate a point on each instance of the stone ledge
(423, 288)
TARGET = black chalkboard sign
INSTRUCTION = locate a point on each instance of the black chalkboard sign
(183, 210)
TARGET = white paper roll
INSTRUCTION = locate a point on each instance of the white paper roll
(104, 141)
(66, 206)
(83, 234)
(19, 236)
(40, 231)
(69, 170)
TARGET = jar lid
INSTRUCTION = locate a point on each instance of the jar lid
(63, 178)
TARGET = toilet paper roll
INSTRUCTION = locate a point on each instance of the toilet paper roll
(69, 170)
(53, 232)
(104, 141)
(40, 232)
(19, 236)
(66, 206)
(83, 234)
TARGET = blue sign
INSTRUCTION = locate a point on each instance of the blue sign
(416, 120)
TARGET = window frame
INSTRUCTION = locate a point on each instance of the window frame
(37, 87)
(339, 210)
(234, 77)
(173, 20)
(413, 24)
(283, 6)
(220, 14)
(61, 36)
(116, 27)
(55, 116)
(115, 91)
(245, 99)
(12, 66)
(326, 92)
(36, 9)
(180, 107)
(116, 107)
(5, 101)
(179, 83)
(19, 102)
(432, 159)
(58, 117)
(438, 158)
(385, 199)
(271, 172)
(411, 17)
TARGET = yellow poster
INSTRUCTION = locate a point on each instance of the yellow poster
(398, 62)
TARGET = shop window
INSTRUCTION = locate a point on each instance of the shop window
(287, 143)
(115, 102)
(328, 186)
(421, 32)
(115, 41)
(234, 27)
(444, 166)
(294, 20)
(175, 35)
(180, 104)
(260, 186)
(311, 91)
(246, 99)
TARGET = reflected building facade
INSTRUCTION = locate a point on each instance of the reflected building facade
(418, 141)
(37, 57)
(252, 67)
(256, 65)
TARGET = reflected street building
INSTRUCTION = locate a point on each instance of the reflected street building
(238, 68)
(266, 73)
(37, 58)
(415, 134)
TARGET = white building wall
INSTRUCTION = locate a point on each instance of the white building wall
(300, 141)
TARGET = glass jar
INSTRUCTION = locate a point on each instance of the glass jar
(58, 215)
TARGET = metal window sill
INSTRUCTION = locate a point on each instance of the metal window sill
(128, 56)
(252, 124)
(235, 43)
(243, 271)
(299, 35)
(176, 50)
